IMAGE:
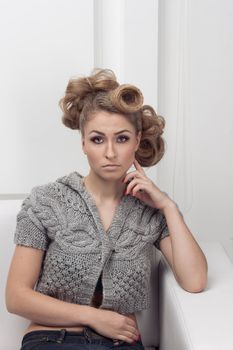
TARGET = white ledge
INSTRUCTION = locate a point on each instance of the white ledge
(198, 321)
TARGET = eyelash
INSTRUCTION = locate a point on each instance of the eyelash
(99, 137)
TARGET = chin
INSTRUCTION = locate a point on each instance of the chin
(111, 175)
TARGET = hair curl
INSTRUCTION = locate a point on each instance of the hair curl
(85, 96)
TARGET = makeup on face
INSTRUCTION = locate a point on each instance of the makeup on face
(110, 144)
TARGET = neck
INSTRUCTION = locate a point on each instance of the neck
(104, 190)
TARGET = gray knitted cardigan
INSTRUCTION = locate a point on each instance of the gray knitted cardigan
(61, 218)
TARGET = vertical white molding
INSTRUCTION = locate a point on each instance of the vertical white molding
(97, 35)
(182, 180)
(126, 41)
(109, 35)
(175, 173)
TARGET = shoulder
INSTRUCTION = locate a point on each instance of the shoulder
(56, 185)
(44, 193)
(146, 209)
(143, 214)
(66, 189)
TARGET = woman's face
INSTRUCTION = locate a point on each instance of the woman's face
(110, 139)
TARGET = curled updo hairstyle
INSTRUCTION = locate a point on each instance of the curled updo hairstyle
(100, 91)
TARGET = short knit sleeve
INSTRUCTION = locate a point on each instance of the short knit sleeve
(29, 230)
(162, 228)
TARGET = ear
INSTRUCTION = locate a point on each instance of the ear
(138, 137)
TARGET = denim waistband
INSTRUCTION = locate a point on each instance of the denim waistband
(59, 336)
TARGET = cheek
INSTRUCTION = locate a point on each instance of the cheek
(128, 155)
(93, 154)
(92, 157)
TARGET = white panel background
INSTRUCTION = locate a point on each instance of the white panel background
(211, 114)
(195, 95)
(43, 44)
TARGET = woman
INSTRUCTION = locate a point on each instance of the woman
(81, 266)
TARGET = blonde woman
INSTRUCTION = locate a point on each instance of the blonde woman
(84, 244)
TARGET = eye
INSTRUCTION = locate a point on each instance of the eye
(123, 138)
(97, 139)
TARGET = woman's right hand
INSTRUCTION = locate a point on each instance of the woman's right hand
(113, 325)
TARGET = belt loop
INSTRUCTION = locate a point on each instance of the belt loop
(87, 334)
(62, 336)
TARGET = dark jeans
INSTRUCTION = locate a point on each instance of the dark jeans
(66, 340)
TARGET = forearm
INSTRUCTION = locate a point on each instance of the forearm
(47, 310)
(189, 262)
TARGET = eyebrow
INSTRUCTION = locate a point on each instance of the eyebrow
(116, 133)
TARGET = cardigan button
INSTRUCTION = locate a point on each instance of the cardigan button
(99, 257)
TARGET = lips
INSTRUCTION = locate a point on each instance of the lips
(110, 165)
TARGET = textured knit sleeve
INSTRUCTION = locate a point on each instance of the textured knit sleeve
(161, 227)
(29, 230)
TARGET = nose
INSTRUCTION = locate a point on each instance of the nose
(110, 151)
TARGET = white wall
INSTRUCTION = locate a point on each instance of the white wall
(126, 40)
(43, 44)
(195, 96)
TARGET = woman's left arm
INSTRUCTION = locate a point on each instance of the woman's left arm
(182, 252)
(180, 248)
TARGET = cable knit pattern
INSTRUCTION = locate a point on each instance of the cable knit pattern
(62, 219)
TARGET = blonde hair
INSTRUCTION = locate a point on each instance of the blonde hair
(85, 96)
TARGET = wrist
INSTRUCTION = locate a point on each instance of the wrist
(87, 315)
(169, 205)
(164, 202)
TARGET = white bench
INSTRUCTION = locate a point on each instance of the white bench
(198, 321)
(177, 320)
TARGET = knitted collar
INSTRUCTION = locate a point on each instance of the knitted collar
(75, 181)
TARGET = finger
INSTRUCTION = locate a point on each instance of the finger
(128, 336)
(138, 166)
(130, 176)
(130, 321)
(137, 188)
(132, 335)
(132, 330)
(133, 184)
